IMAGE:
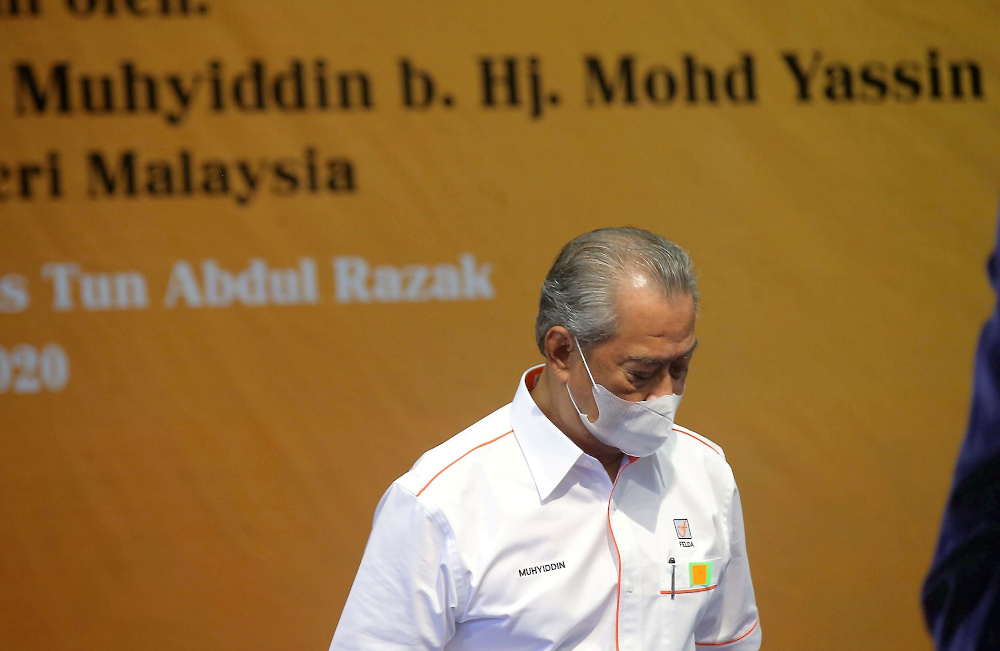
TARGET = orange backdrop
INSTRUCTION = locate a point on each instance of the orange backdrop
(256, 257)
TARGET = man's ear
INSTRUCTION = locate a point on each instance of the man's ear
(559, 343)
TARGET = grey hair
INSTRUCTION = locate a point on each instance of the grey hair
(580, 290)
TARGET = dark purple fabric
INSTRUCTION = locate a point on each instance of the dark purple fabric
(961, 595)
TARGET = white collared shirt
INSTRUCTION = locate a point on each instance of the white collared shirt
(508, 537)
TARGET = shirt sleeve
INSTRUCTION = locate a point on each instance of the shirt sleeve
(403, 596)
(731, 621)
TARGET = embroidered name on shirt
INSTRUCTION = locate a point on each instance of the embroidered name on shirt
(540, 569)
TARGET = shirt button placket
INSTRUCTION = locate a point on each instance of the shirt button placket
(629, 595)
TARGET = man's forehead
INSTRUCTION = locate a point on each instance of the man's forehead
(652, 306)
(655, 359)
(652, 327)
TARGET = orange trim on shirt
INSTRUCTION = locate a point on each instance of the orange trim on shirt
(705, 589)
(757, 621)
(618, 597)
(680, 431)
(531, 379)
(459, 459)
(618, 601)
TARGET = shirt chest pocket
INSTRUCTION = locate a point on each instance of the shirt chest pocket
(686, 589)
(689, 576)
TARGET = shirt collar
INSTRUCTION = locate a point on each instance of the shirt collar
(550, 454)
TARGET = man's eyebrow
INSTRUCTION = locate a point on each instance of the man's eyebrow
(654, 361)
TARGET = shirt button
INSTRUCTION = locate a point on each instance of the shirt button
(629, 587)
(614, 507)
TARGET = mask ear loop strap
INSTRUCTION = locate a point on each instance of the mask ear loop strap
(572, 399)
(585, 365)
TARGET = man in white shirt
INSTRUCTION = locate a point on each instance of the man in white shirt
(578, 516)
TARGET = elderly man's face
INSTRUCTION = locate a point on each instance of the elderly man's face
(650, 354)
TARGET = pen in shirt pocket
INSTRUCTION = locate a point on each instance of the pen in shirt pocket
(673, 571)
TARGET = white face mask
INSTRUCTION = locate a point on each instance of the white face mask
(636, 428)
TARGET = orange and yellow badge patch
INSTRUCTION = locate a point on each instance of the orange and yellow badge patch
(701, 573)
